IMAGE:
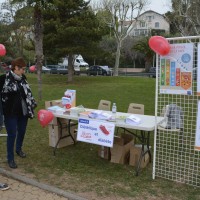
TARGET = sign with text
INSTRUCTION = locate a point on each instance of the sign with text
(96, 132)
(176, 70)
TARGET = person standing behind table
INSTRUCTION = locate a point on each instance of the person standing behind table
(18, 104)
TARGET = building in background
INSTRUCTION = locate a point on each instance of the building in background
(149, 23)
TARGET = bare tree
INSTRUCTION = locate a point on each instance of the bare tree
(186, 16)
(122, 18)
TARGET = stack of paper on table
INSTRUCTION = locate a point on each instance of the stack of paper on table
(132, 119)
(77, 110)
(99, 114)
(84, 114)
(56, 109)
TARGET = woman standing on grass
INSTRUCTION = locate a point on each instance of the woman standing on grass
(18, 104)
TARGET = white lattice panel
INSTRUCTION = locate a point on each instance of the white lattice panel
(175, 157)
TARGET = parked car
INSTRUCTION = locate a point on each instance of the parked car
(46, 70)
(53, 68)
(152, 72)
(62, 70)
(99, 70)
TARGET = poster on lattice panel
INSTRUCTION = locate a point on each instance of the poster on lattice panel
(176, 70)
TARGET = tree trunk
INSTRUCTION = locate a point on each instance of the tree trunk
(38, 29)
(117, 57)
(70, 68)
(148, 64)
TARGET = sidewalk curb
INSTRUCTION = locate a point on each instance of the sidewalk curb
(42, 186)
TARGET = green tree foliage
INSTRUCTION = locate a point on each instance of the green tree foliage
(143, 47)
(71, 27)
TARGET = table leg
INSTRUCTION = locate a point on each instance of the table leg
(145, 138)
(61, 135)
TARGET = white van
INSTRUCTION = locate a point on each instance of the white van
(79, 64)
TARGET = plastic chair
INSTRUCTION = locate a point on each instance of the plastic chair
(135, 108)
(104, 105)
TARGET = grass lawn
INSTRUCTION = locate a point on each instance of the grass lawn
(77, 168)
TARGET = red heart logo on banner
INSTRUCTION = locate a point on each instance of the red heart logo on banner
(45, 117)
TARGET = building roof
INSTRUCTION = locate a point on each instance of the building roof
(151, 11)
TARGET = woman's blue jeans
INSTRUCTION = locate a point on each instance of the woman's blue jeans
(16, 129)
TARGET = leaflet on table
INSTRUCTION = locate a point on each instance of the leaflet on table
(56, 109)
(99, 114)
(96, 132)
(77, 110)
(132, 119)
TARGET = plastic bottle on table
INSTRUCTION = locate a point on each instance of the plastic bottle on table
(114, 108)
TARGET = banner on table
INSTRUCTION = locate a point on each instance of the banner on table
(176, 70)
(96, 132)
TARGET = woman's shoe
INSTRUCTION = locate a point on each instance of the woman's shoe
(21, 154)
(12, 164)
(3, 186)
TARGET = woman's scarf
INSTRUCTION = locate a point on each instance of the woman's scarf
(11, 85)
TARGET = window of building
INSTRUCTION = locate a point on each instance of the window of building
(149, 18)
(157, 25)
(142, 24)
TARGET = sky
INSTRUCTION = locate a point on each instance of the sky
(160, 6)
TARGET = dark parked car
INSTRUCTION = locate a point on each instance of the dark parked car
(53, 68)
(152, 72)
(62, 69)
(99, 70)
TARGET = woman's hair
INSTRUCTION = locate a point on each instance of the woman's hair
(18, 62)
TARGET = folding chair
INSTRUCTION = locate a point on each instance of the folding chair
(104, 105)
(136, 108)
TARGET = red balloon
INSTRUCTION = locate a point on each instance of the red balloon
(32, 68)
(2, 50)
(160, 45)
(45, 117)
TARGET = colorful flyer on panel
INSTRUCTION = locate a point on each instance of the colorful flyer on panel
(176, 70)
(197, 138)
(96, 132)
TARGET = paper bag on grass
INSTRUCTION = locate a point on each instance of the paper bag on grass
(121, 148)
(135, 152)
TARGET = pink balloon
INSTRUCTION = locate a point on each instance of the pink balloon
(45, 117)
(160, 45)
(2, 50)
(32, 68)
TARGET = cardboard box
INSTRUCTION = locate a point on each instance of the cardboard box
(104, 152)
(69, 98)
(121, 148)
(54, 135)
(135, 152)
(53, 103)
